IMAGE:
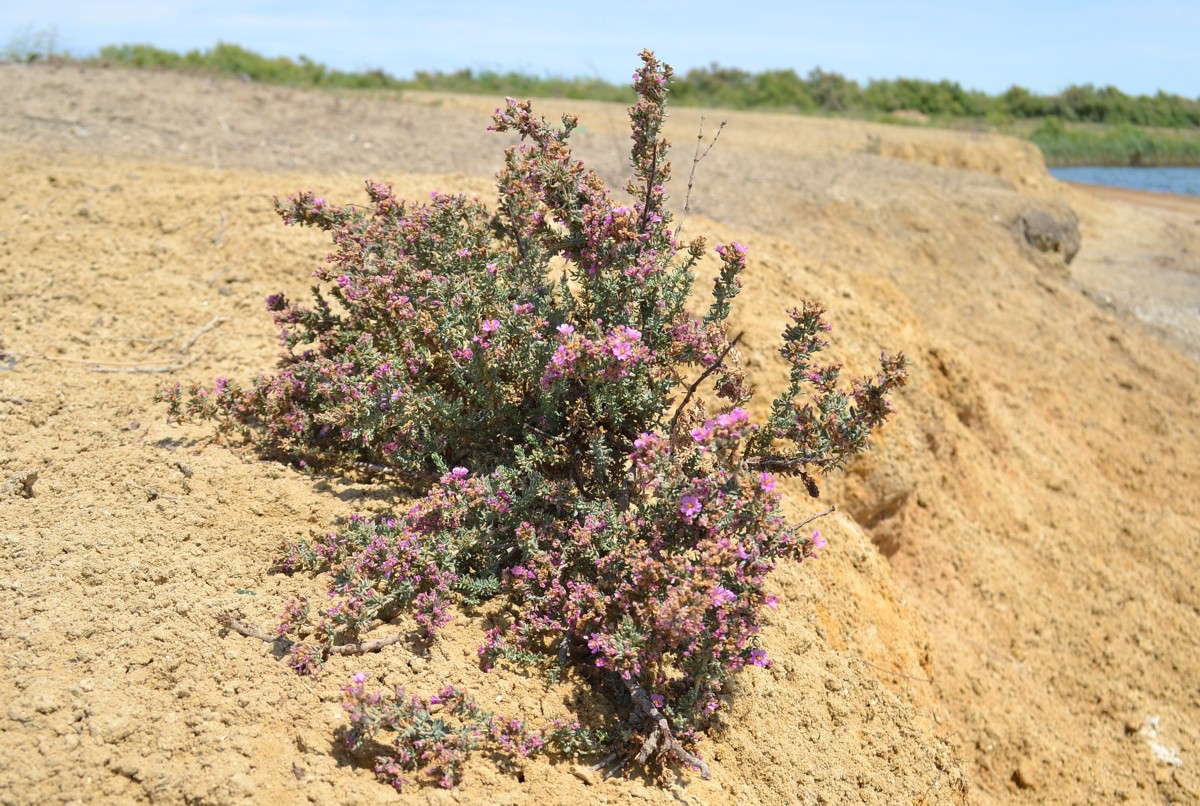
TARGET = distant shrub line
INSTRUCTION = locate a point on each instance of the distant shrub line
(716, 86)
(1131, 138)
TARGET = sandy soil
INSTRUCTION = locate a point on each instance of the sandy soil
(1008, 608)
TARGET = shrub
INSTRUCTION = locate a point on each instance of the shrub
(534, 373)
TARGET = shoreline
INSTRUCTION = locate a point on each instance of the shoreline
(1178, 202)
(1138, 256)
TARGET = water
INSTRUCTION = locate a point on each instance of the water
(1185, 181)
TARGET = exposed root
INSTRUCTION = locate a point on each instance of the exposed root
(660, 741)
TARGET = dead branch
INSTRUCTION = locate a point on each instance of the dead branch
(217, 321)
(140, 367)
(113, 366)
(692, 389)
(357, 648)
(812, 518)
(696, 159)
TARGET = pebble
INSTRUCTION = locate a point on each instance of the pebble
(585, 774)
(1026, 774)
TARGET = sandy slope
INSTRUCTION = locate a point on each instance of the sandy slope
(1008, 609)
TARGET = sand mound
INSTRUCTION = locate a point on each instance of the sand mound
(1006, 612)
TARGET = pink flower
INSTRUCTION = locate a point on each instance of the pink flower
(359, 677)
(701, 434)
(622, 351)
(460, 472)
(566, 329)
(562, 356)
(767, 482)
(818, 542)
(722, 596)
(490, 325)
(759, 658)
(689, 506)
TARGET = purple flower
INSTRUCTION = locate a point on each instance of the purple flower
(562, 356)
(359, 677)
(689, 506)
(490, 325)
(460, 472)
(767, 482)
(701, 434)
(657, 700)
(818, 541)
(722, 596)
(622, 351)
(759, 658)
(566, 329)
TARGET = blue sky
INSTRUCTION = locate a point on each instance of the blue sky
(1140, 47)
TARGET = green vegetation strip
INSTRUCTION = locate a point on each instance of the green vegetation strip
(1082, 125)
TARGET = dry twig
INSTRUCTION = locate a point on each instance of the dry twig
(692, 389)
(687, 200)
(358, 648)
(216, 322)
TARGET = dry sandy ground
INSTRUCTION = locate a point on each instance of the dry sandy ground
(1008, 608)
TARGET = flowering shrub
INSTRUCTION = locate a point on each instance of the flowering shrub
(534, 374)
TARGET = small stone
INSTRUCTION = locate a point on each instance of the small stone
(111, 727)
(1026, 774)
(585, 774)
(20, 712)
(46, 700)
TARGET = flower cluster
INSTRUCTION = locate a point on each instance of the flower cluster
(433, 737)
(534, 374)
(613, 356)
